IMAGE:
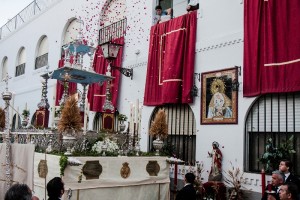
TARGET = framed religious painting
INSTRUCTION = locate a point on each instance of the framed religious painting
(219, 97)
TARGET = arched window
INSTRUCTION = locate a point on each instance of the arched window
(275, 116)
(181, 140)
(21, 62)
(4, 67)
(41, 59)
(72, 31)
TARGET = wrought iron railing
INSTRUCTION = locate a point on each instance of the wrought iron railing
(34, 8)
(41, 61)
(113, 31)
(20, 69)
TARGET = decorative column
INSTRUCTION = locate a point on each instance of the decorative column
(6, 96)
(42, 114)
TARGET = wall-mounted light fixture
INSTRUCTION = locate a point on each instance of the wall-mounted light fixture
(110, 52)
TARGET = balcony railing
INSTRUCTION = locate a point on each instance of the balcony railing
(24, 16)
(20, 69)
(113, 31)
(41, 61)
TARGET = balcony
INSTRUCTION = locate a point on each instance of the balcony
(113, 31)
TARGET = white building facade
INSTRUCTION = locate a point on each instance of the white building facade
(219, 45)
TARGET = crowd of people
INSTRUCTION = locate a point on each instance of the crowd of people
(284, 184)
(18, 191)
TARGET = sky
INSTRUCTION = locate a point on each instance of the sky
(10, 8)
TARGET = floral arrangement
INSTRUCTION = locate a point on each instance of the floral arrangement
(159, 126)
(112, 147)
(70, 118)
(122, 117)
(233, 177)
(26, 113)
(272, 156)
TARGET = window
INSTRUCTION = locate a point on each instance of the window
(178, 6)
(41, 59)
(72, 31)
(4, 68)
(182, 131)
(20, 68)
(275, 116)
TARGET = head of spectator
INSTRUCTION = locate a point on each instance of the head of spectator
(158, 10)
(285, 166)
(288, 191)
(189, 178)
(55, 188)
(277, 178)
(18, 192)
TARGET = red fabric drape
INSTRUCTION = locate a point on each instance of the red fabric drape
(60, 87)
(96, 93)
(171, 61)
(271, 47)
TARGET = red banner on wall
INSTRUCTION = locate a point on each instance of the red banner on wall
(271, 47)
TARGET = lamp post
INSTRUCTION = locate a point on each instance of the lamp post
(6, 96)
(110, 52)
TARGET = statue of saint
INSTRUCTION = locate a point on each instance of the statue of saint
(216, 164)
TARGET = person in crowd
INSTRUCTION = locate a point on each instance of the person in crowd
(55, 188)
(288, 191)
(272, 190)
(188, 192)
(19, 192)
(216, 163)
(158, 14)
(285, 167)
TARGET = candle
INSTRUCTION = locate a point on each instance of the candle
(53, 105)
(17, 118)
(137, 110)
(133, 114)
(263, 181)
(85, 115)
(26, 106)
(131, 120)
(175, 176)
(140, 119)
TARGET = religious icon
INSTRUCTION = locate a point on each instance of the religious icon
(219, 100)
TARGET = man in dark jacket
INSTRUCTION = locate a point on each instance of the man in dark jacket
(188, 192)
(55, 188)
(272, 190)
(285, 167)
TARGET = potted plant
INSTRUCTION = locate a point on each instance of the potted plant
(272, 156)
(159, 130)
(25, 119)
(121, 119)
(70, 122)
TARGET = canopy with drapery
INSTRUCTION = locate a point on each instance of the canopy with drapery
(170, 71)
(96, 93)
(60, 86)
(271, 47)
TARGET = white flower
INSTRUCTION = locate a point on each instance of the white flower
(111, 146)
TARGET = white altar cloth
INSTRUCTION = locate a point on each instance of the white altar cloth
(110, 185)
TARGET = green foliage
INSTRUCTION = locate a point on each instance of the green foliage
(273, 155)
(26, 113)
(168, 149)
(122, 117)
(63, 162)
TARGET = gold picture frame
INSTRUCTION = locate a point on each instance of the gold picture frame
(219, 97)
